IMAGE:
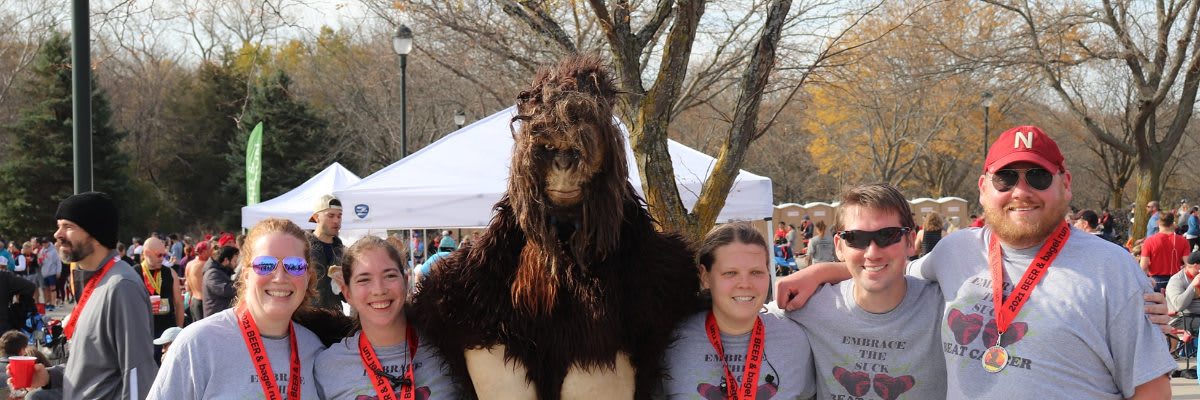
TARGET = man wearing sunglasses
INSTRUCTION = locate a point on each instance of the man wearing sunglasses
(1033, 308)
(877, 331)
(162, 283)
(1152, 222)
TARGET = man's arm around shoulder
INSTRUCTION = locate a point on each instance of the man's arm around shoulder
(794, 290)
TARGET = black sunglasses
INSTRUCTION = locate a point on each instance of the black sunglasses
(1006, 179)
(883, 238)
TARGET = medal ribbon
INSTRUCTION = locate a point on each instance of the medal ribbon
(262, 364)
(152, 285)
(754, 357)
(383, 386)
(1007, 309)
(69, 328)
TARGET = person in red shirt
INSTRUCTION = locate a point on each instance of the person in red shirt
(976, 221)
(1163, 252)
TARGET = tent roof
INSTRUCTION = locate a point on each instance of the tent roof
(297, 203)
(455, 181)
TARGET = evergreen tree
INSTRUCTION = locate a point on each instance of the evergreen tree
(205, 121)
(296, 143)
(36, 172)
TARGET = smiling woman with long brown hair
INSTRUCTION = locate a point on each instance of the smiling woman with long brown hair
(388, 357)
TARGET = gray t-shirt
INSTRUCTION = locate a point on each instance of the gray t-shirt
(209, 360)
(821, 249)
(112, 354)
(340, 373)
(1181, 296)
(861, 355)
(1083, 333)
(694, 371)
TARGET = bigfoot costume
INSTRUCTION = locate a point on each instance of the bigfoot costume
(570, 292)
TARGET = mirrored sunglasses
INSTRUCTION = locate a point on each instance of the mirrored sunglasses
(1006, 179)
(265, 265)
(883, 238)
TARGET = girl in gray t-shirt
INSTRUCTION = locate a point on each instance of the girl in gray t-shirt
(733, 258)
(375, 286)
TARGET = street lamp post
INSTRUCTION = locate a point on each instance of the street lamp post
(402, 44)
(460, 118)
(987, 104)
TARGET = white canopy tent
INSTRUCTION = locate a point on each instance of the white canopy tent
(296, 205)
(455, 181)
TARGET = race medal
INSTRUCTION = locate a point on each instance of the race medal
(995, 359)
(1007, 308)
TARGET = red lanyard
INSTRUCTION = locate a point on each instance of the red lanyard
(69, 329)
(1007, 309)
(753, 358)
(262, 364)
(383, 385)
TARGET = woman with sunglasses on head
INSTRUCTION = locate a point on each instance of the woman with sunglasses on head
(387, 358)
(253, 347)
(732, 350)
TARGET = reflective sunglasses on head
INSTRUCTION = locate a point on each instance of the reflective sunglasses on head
(883, 238)
(265, 265)
(1006, 179)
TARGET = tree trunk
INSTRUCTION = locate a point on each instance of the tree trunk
(648, 135)
(1149, 174)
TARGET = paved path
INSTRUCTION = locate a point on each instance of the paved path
(1185, 388)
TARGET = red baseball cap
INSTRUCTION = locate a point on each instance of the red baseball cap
(201, 247)
(1024, 143)
(226, 239)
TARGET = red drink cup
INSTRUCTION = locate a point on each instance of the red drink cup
(155, 304)
(21, 368)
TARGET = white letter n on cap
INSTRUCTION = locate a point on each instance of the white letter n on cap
(1023, 138)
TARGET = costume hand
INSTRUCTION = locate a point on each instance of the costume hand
(1156, 310)
(793, 291)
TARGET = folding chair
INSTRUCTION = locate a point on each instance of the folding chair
(1185, 345)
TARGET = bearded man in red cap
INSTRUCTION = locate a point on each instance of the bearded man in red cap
(1033, 307)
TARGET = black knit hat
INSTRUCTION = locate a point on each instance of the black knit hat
(95, 212)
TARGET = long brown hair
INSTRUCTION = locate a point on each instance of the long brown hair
(261, 230)
(933, 222)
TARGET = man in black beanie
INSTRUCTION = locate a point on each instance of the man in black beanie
(109, 332)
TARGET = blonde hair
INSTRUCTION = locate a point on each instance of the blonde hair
(258, 232)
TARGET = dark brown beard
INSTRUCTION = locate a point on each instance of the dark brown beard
(1024, 234)
(78, 252)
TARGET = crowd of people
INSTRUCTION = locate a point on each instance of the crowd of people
(1029, 305)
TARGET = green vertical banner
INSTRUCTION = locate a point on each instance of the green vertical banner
(254, 165)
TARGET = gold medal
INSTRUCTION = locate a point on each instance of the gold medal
(995, 359)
